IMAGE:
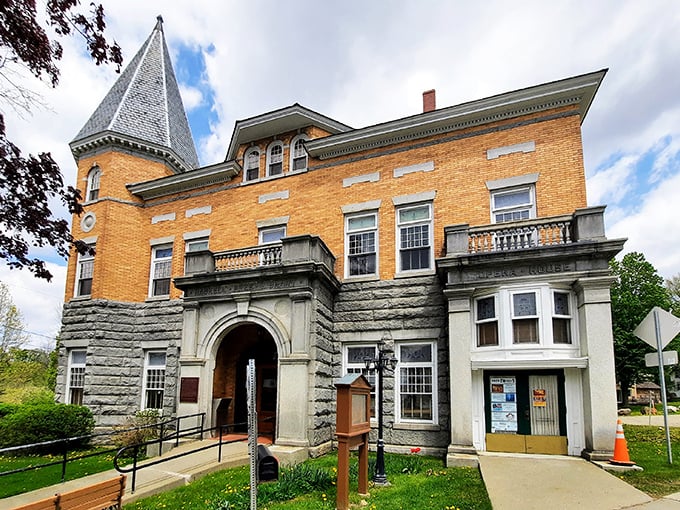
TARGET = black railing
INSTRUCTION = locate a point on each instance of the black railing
(122, 454)
(71, 444)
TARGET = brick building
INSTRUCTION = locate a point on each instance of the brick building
(458, 239)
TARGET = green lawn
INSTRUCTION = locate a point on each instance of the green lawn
(37, 478)
(417, 482)
(647, 448)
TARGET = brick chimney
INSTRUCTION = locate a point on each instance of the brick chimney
(429, 101)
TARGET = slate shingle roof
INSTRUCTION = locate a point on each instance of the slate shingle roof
(145, 103)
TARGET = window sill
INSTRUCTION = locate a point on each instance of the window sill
(157, 298)
(434, 427)
(411, 274)
(82, 298)
(362, 278)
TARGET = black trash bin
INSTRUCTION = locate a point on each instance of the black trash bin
(267, 465)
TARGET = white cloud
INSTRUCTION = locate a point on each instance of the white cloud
(368, 62)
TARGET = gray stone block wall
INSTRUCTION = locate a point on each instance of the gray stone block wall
(401, 307)
(116, 336)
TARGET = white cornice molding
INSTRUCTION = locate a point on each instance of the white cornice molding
(579, 90)
(215, 174)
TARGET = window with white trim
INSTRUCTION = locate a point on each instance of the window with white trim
(513, 204)
(414, 228)
(561, 319)
(355, 363)
(417, 382)
(486, 319)
(540, 316)
(251, 164)
(154, 379)
(361, 244)
(84, 273)
(198, 244)
(92, 189)
(298, 154)
(76, 376)
(275, 159)
(274, 234)
(161, 270)
(524, 318)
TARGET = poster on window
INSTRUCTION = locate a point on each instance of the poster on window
(503, 405)
(538, 397)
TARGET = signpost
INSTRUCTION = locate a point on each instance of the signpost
(252, 432)
(658, 328)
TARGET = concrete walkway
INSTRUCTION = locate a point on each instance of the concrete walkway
(539, 482)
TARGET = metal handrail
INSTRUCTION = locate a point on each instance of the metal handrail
(65, 459)
(136, 448)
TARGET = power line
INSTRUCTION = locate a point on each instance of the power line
(29, 332)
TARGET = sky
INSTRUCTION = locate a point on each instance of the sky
(362, 63)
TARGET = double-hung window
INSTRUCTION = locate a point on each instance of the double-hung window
(84, 273)
(298, 154)
(487, 321)
(161, 270)
(154, 379)
(417, 382)
(355, 363)
(76, 376)
(92, 192)
(561, 319)
(271, 236)
(513, 204)
(251, 164)
(275, 159)
(414, 226)
(524, 318)
(362, 244)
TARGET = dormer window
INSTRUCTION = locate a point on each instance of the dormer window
(92, 191)
(275, 159)
(252, 164)
(298, 158)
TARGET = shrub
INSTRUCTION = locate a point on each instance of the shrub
(137, 429)
(37, 423)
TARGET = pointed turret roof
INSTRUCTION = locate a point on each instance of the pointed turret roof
(143, 111)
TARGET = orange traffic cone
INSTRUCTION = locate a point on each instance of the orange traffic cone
(621, 456)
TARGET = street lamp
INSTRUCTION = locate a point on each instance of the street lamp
(382, 362)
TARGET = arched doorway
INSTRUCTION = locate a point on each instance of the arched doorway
(245, 342)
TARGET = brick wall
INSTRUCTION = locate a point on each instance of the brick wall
(315, 198)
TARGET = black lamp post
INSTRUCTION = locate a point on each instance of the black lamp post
(382, 362)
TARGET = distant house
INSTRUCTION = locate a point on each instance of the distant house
(645, 391)
(458, 238)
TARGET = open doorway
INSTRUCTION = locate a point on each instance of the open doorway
(245, 342)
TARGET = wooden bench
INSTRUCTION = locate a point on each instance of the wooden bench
(106, 495)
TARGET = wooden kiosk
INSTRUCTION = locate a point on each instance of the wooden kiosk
(353, 423)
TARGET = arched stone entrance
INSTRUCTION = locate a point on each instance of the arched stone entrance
(242, 343)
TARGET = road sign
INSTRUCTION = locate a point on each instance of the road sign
(669, 358)
(669, 326)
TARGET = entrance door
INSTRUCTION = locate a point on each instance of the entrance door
(266, 400)
(526, 412)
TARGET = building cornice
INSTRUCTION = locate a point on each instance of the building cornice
(578, 91)
(206, 176)
(81, 148)
(280, 121)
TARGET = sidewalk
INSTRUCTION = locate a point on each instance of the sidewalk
(152, 480)
(537, 482)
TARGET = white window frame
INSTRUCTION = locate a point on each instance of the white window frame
(360, 232)
(535, 317)
(150, 383)
(401, 365)
(84, 271)
(274, 229)
(359, 367)
(76, 370)
(93, 183)
(569, 318)
(410, 224)
(274, 159)
(495, 319)
(155, 260)
(198, 244)
(246, 162)
(528, 207)
(294, 156)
